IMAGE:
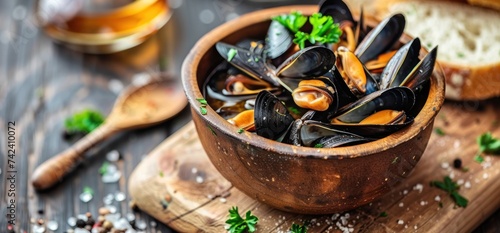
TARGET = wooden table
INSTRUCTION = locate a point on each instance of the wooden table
(43, 83)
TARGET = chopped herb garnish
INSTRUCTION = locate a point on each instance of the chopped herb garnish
(479, 158)
(237, 224)
(296, 228)
(488, 144)
(318, 145)
(324, 30)
(460, 54)
(161, 174)
(452, 189)
(439, 131)
(212, 130)
(83, 122)
(383, 214)
(104, 168)
(240, 130)
(88, 190)
(203, 110)
(231, 53)
(294, 110)
(202, 101)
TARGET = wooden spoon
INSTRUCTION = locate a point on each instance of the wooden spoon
(136, 107)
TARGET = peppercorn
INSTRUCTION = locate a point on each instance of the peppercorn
(457, 163)
(80, 223)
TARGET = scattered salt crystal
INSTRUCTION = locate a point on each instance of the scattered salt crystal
(401, 222)
(467, 185)
(437, 198)
(456, 144)
(38, 229)
(120, 196)
(452, 175)
(111, 177)
(223, 200)
(115, 86)
(486, 165)
(418, 187)
(406, 226)
(485, 176)
(140, 224)
(210, 196)
(401, 204)
(347, 215)
(141, 79)
(199, 179)
(85, 197)
(460, 181)
(52, 225)
(445, 165)
(111, 168)
(71, 221)
(113, 156)
(194, 170)
(82, 217)
(130, 217)
(108, 199)
(111, 208)
(152, 224)
(422, 203)
(405, 192)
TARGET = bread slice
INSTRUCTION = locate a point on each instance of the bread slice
(468, 39)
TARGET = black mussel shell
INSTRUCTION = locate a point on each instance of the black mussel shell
(337, 9)
(254, 46)
(339, 140)
(307, 63)
(250, 63)
(278, 40)
(372, 130)
(272, 119)
(395, 98)
(401, 64)
(345, 96)
(422, 71)
(381, 38)
(311, 130)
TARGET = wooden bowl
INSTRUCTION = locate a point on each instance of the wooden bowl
(301, 179)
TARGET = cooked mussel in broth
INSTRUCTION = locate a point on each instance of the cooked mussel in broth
(330, 82)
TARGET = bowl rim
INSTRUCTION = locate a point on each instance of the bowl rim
(425, 117)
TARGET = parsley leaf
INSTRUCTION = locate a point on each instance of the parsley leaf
(83, 122)
(478, 158)
(439, 131)
(324, 30)
(104, 168)
(240, 130)
(383, 214)
(293, 21)
(203, 106)
(88, 190)
(452, 189)
(488, 144)
(296, 228)
(319, 145)
(237, 224)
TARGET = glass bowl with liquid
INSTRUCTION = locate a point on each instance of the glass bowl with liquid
(101, 26)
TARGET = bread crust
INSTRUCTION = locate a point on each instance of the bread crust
(477, 82)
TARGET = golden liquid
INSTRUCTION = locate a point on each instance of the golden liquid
(102, 26)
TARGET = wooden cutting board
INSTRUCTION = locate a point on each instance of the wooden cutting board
(177, 184)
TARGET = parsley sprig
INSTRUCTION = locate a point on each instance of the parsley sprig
(452, 189)
(296, 228)
(237, 224)
(203, 106)
(488, 144)
(83, 122)
(324, 30)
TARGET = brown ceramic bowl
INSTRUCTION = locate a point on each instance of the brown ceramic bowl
(301, 179)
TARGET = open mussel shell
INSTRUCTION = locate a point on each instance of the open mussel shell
(250, 63)
(401, 64)
(372, 130)
(381, 38)
(422, 71)
(356, 74)
(395, 98)
(337, 9)
(272, 119)
(278, 40)
(309, 131)
(339, 140)
(344, 93)
(316, 94)
(307, 63)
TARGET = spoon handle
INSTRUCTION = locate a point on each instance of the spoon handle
(54, 169)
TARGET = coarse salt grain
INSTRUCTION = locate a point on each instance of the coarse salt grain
(437, 198)
(405, 192)
(467, 185)
(445, 165)
(401, 222)
(460, 181)
(485, 176)
(401, 204)
(199, 179)
(418, 187)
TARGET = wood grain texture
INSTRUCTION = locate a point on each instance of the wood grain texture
(174, 168)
